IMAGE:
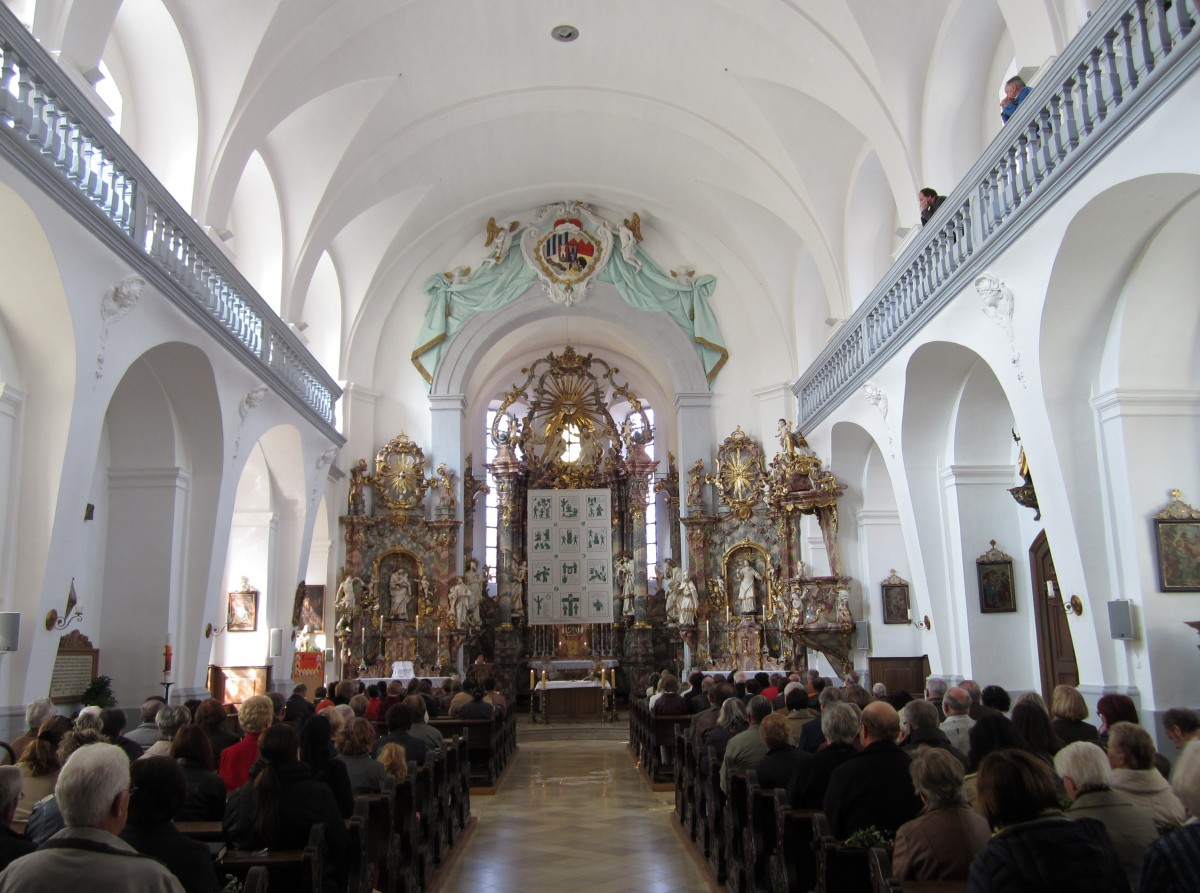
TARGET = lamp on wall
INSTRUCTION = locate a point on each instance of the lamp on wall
(10, 631)
(923, 624)
(211, 631)
(53, 621)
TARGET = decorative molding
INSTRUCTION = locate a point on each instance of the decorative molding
(169, 478)
(877, 398)
(114, 304)
(877, 517)
(975, 475)
(998, 306)
(1147, 403)
(246, 406)
(254, 519)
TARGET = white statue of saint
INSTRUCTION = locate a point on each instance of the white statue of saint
(687, 603)
(674, 591)
(626, 578)
(400, 593)
(460, 603)
(748, 576)
(347, 595)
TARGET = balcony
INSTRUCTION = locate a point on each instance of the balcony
(1129, 56)
(50, 131)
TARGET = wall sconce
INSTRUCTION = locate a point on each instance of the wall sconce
(53, 621)
(10, 631)
(923, 624)
(1073, 605)
(211, 632)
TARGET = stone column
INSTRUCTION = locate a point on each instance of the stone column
(509, 540)
(641, 472)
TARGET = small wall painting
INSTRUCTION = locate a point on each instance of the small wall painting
(895, 599)
(1177, 544)
(997, 595)
(243, 611)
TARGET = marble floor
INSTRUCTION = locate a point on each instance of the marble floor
(574, 816)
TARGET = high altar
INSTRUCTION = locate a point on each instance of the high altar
(573, 475)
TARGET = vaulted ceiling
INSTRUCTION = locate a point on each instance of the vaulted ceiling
(346, 151)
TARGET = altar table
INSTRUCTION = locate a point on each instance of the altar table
(564, 701)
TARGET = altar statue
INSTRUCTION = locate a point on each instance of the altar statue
(748, 576)
(674, 591)
(475, 583)
(520, 578)
(623, 574)
(460, 603)
(347, 596)
(687, 603)
(400, 593)
(695, 492)
(356, 501)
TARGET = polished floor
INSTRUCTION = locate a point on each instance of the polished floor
(574, 816)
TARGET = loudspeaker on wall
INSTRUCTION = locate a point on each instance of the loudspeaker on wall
(862, 635)
(1120, 618)
(276, 642)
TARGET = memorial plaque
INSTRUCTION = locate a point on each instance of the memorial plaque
(75, 666)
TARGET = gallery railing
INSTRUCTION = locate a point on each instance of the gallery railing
(1124, 61)
(51, 132)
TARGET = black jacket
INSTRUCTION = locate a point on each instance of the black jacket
(806, 790)
(873, 787)
(189, 860)
(932, 738)
(304, 802)
(1049, 855)
(205, 793)
(776, 769)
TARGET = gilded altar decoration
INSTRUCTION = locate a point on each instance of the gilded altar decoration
(399, 479)
(741, 476)
(565, 253)
(567, 436)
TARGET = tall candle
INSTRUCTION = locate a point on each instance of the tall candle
(532, 683)
(439, 638)
(167, 657)
(418, 620)
(727, 613)
(707, 634)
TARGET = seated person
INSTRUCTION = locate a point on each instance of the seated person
(731, 720)
(782, 760)
(399, 721)
(420, 728)
(668, 702)
(839, 724)
(873, 787)
(281, 804)
(394, 762)
(1069, 710)
(1087, 778)
(170, 719)
(40, 764)
(93, 794)
(318, 754)
(255, 715)
(477, 707)
(354, 750)
(1131, 756)
(1171, 864)
(12, 844)
(1037, 849)
(919, 728)
(205, 799)
(939, 844)
(157, 792)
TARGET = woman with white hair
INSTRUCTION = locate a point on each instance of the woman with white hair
(1173, 862)
(1087, 778)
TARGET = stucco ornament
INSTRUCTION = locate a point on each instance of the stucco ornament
(998, 306)
(877, 398)
(114, 304)
(566, 247)
(246, 405)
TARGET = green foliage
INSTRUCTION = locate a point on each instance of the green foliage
(99, 693)
(869, 836)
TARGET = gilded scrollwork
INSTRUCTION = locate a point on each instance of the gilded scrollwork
(741, 476)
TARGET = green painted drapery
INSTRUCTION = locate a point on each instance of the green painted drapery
(451, 304)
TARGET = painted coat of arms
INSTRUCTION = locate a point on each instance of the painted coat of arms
(567, 246)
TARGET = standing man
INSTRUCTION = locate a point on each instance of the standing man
(930, 201)
(1015, 92)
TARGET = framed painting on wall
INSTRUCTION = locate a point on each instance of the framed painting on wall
(895, 599)
(1177, 545)
(243, 611)
(997, 595)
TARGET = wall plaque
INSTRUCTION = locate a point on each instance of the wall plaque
(75, 666)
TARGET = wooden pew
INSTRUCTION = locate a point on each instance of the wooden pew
(427, 833)
(794, 861)
(840, 868)
(406, 871)
(383, 843)
(301, 871)
(884, 881)
(718, 856)
(256, 880)
(484, 745)
(358, 863)
(736, 819)
(662, 741)
(759, 839)
(685, 783)
(462, 802)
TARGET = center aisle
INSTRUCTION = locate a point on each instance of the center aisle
(574, 816)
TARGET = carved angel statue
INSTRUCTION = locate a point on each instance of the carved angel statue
(684, 276)
(356, 502)
(347, 594)
(790, 440)
(499, 239)
(458, 275)
(631, 234)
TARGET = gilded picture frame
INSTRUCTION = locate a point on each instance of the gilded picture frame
(896, 603)
(242, 614)
(1177, 545)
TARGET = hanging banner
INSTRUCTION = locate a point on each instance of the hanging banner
(570, 557)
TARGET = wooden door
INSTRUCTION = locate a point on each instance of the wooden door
(1056, 651)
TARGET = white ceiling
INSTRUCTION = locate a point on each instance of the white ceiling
(355, 148)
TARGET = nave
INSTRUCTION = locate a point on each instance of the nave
(574, 816)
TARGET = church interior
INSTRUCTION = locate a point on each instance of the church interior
(336, 343)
